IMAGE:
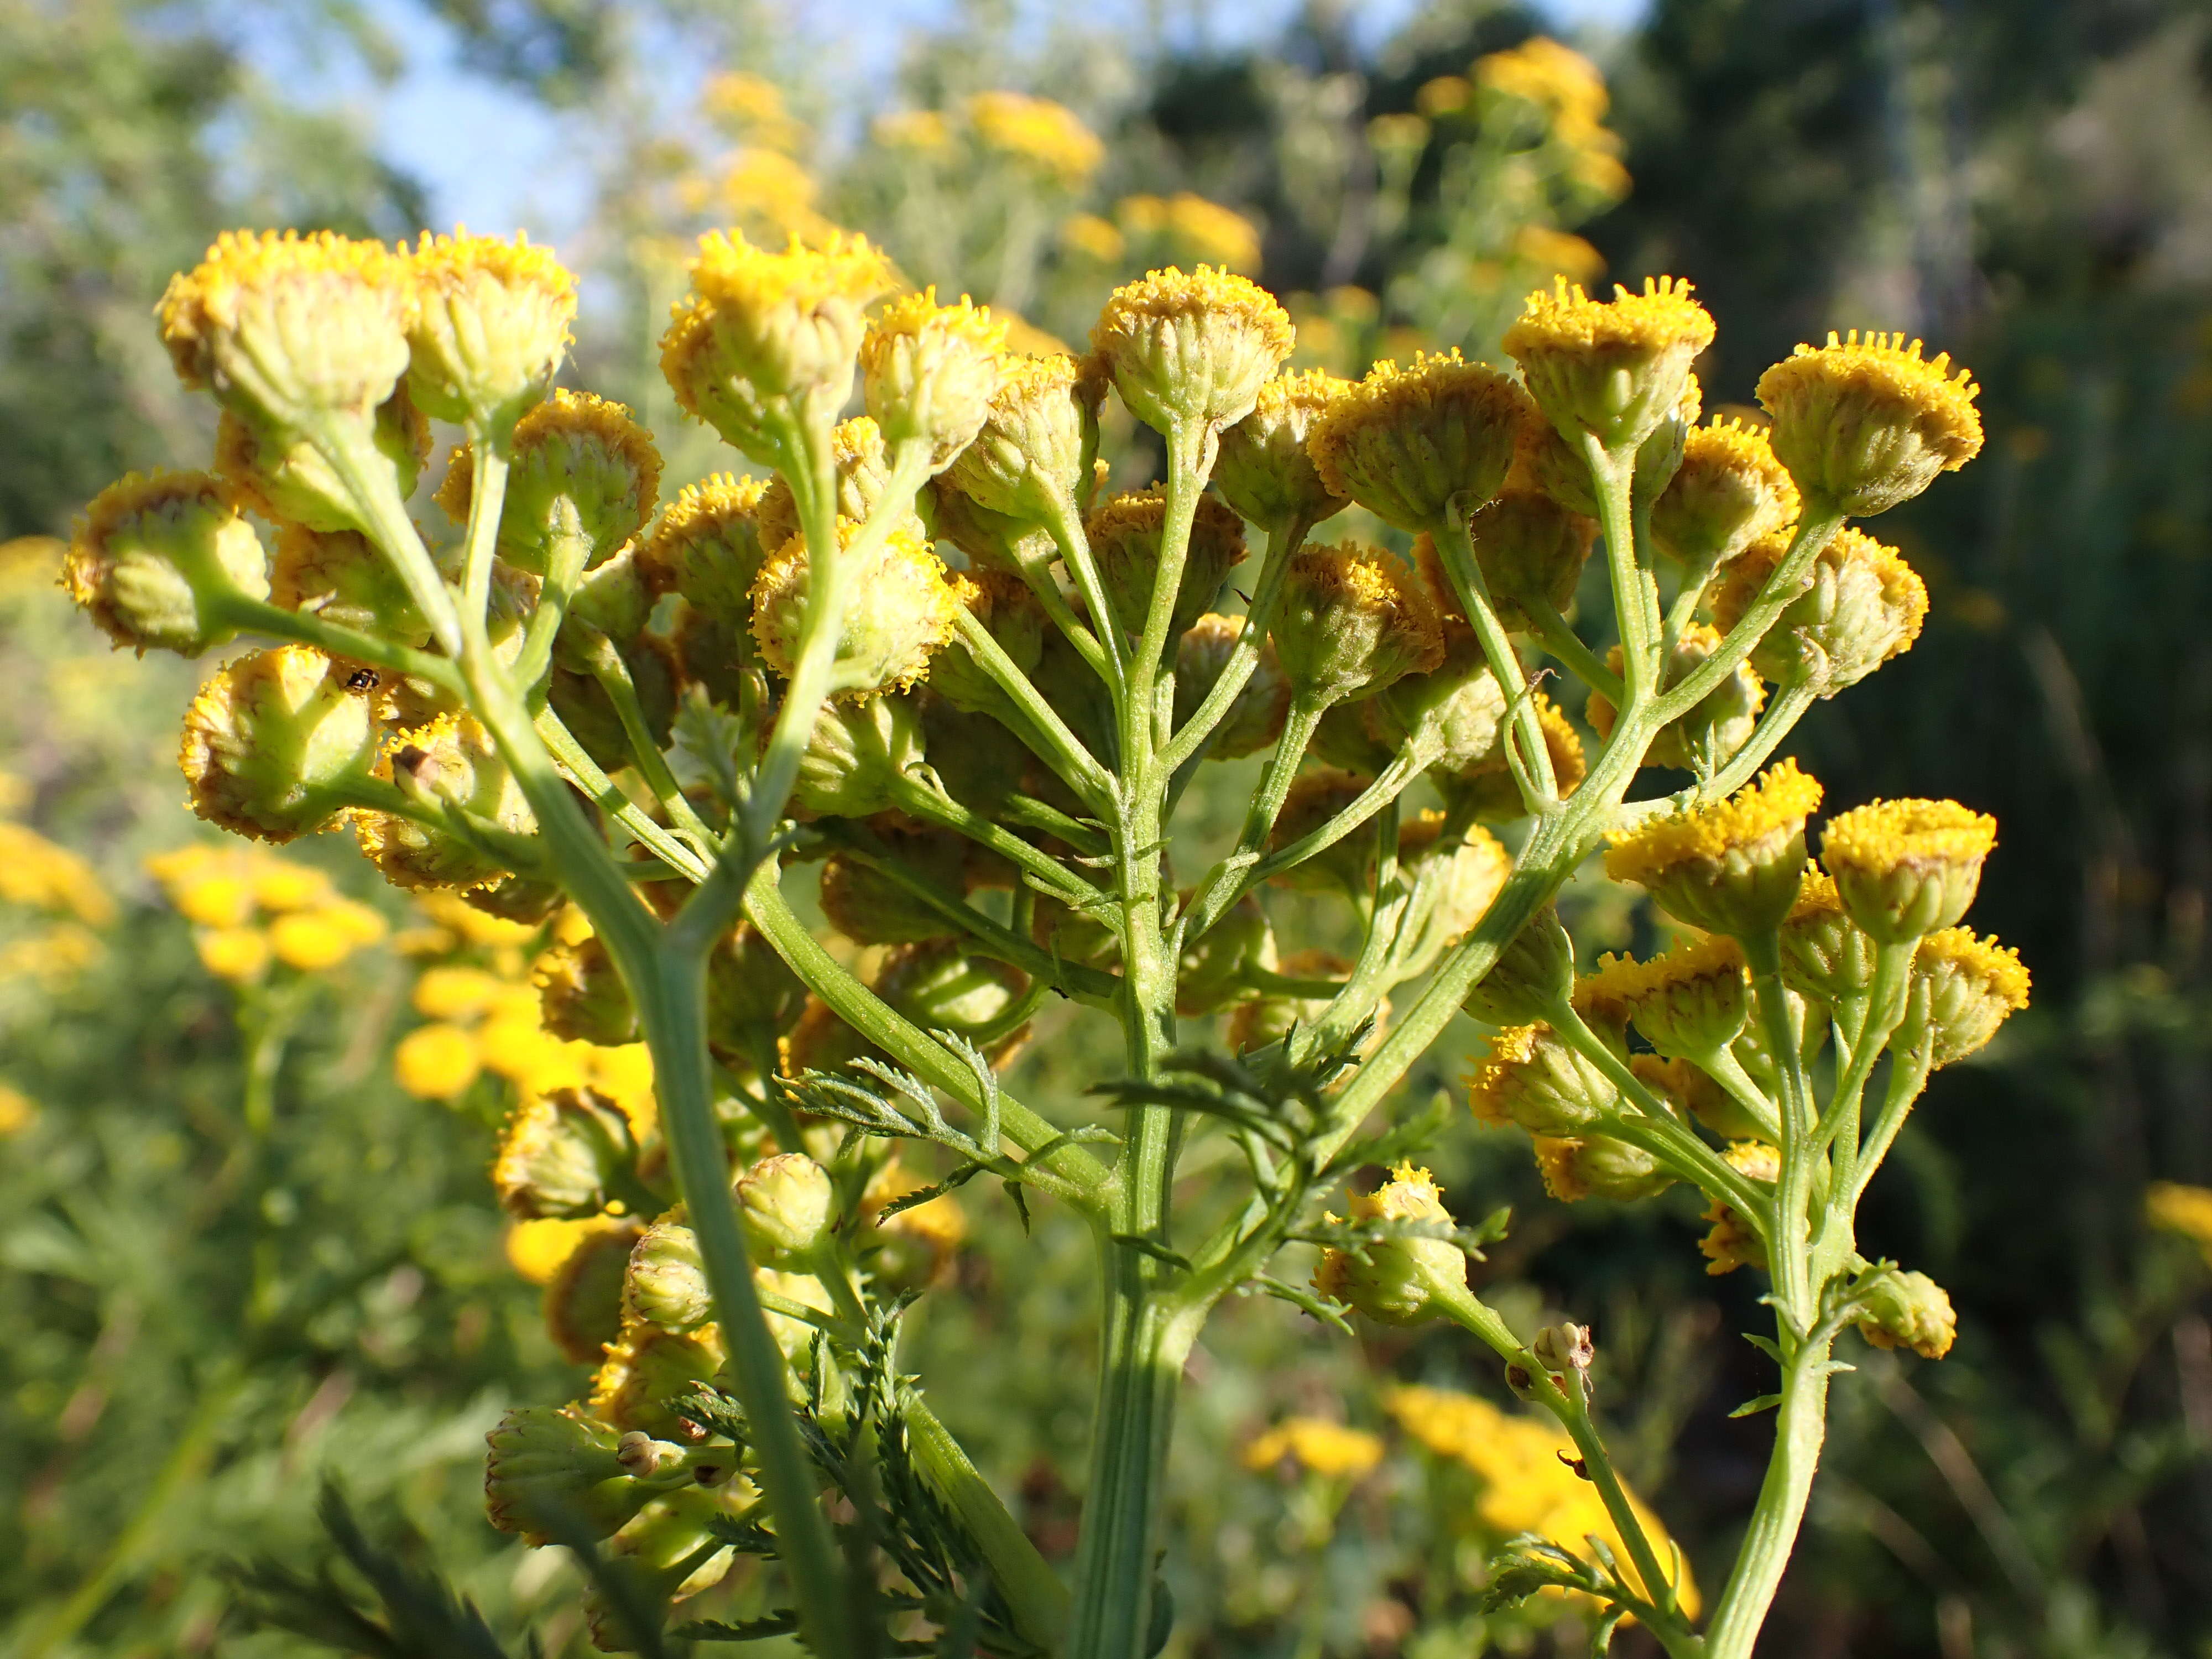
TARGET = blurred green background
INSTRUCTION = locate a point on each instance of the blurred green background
(200, 1316)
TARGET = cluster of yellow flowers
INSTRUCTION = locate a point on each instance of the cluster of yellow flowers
(1528, 1483)
(250, 909)
(1317, 1445)
(60, 886)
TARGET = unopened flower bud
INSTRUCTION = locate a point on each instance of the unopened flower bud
(1450, 717)
(551, 1469)
(589, 713)
(1864, 425)
(1193, 348)
(1124, 533)
(748, 986)
(288, 328)
(643, 1456)
(1531, 551)
(1264, 470)
(563, 1155)
(1861, 606)
(1907, 868)
(1403, 443)
(1729, 492)
(1565, 1348)
(668, 1553)
(766, 340)
(1702, 740)
(899, 610)
(786, 1203)
(869, 907)
(1010, 613)
(1262, 1021)
(277, 744)
(1962, 988)
(708, 548)
(940, 987)
(991, 541)
(1546, 459)
(1345, 739)
(1256, 716)
(1612, 369)
(1534, 974)
(1733, 1241)
(1531, 1077)
(1685, 1089)
(342, 577)
(1825, 956)
(488, 327)
(1396, 1280)
(584, 1297)
(581, 472)
(1733, 867)
(451, 763)
(157, 558)
(581, 997)
(276, 471)
(1211, 974)
(929, 372)
(857, 753)
(1027, 459)
(1691, 1002)
(666, 1282)
(1073, 936)
(645, 1375)
(612, 601)
(1351, 620)
(1907, 1310)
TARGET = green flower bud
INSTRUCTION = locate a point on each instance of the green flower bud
(1488, 789)
(612, 600)
(666, 1282)
(1406, 443)
(341, 576)
(868, 908)
(589, 714)
(1351, 620)
(857, 751)
(1862, 604)
(1344, 739)
(1211, 973)
(451, 762)
(581, 997)
(648, 1372)
(991, 541)
(1315, 798)
(1263, 470)
(1907, 868)
(940, 989)
(1254, 717)
(565, 1154)
(708, 548)
(1733, 867)
(1029, 459)
(718, 657)
(1532, 976)
(1456, 878)
(1529, 547)
(1542, 457)
(1962, 988)
(277, 743)
(929, 372)
(786, 1203)
(156, 557)
(1073, 936)
(1728, 493)
(1863, 425)
(1825, 956)
(1906, 1310)
(899, 611)
(1396, 1281)
(1193, 348)
(276, 471)
(1689, 1091)
(1125, 539)
(1533, 1079)
(1449, 718)
(1691, 1003)
(1002, 602)
(864, 473)
(552, 1468)
(581, 471)
(488, 328)
(584, 1297)
(670, 1552)
(1702, 740)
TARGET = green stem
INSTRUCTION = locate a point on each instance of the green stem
(1635, 597)
(345, 442)
(1724, 1068)
(1908, 1077)
(1779, 719)
(935, 806)
(1813, 533)
(561, 743)
(1695, 578)
(1048, 735)
(1563, 642)
(1206, 907)
(335, 640)
(613, 675)
(564, 569)
(1065, 527)
(1885, 1007)
(1283, 545)
(488, 483)
(1464, 571)
(1788, 1245)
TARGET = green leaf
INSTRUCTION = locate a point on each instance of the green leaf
(1765, 1402)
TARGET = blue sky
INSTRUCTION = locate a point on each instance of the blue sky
(497, 163)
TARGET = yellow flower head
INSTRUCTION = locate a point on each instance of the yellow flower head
(921, 129)
(18, 1111)
(1263, 470)
(1905, 868)
(1255, 717)
(1322, 1447)
(1531, 551)
(1351, 620)
(1825, 956)
(1212, 232)
(1907, 1310)
(645, 1372)
(538, 1249)
(579, 462)
(452, 762)
(276, 745)
(1863, 424)
(1405, 442)
(1598, 1166)
(1962, 990)
(315, 941)
(1690, 1003)
(281, 475)
(902, 610)
(1558, 78)
(490, 325)
(2175, 1208)
(1613, 368)
(929, 373)
(1862, 605)
(287, 327)
(1734, 1241)
(436, 1062)
(1191, 348)
(1727, 492)
(563, 1154)
(162, 559)
(341, 576)
(765, 335)
(708, 548)
(1028, 459)
(1049, 135)
(1396, 1280)
(1732, 867)
(36, 872)
(240, 955)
